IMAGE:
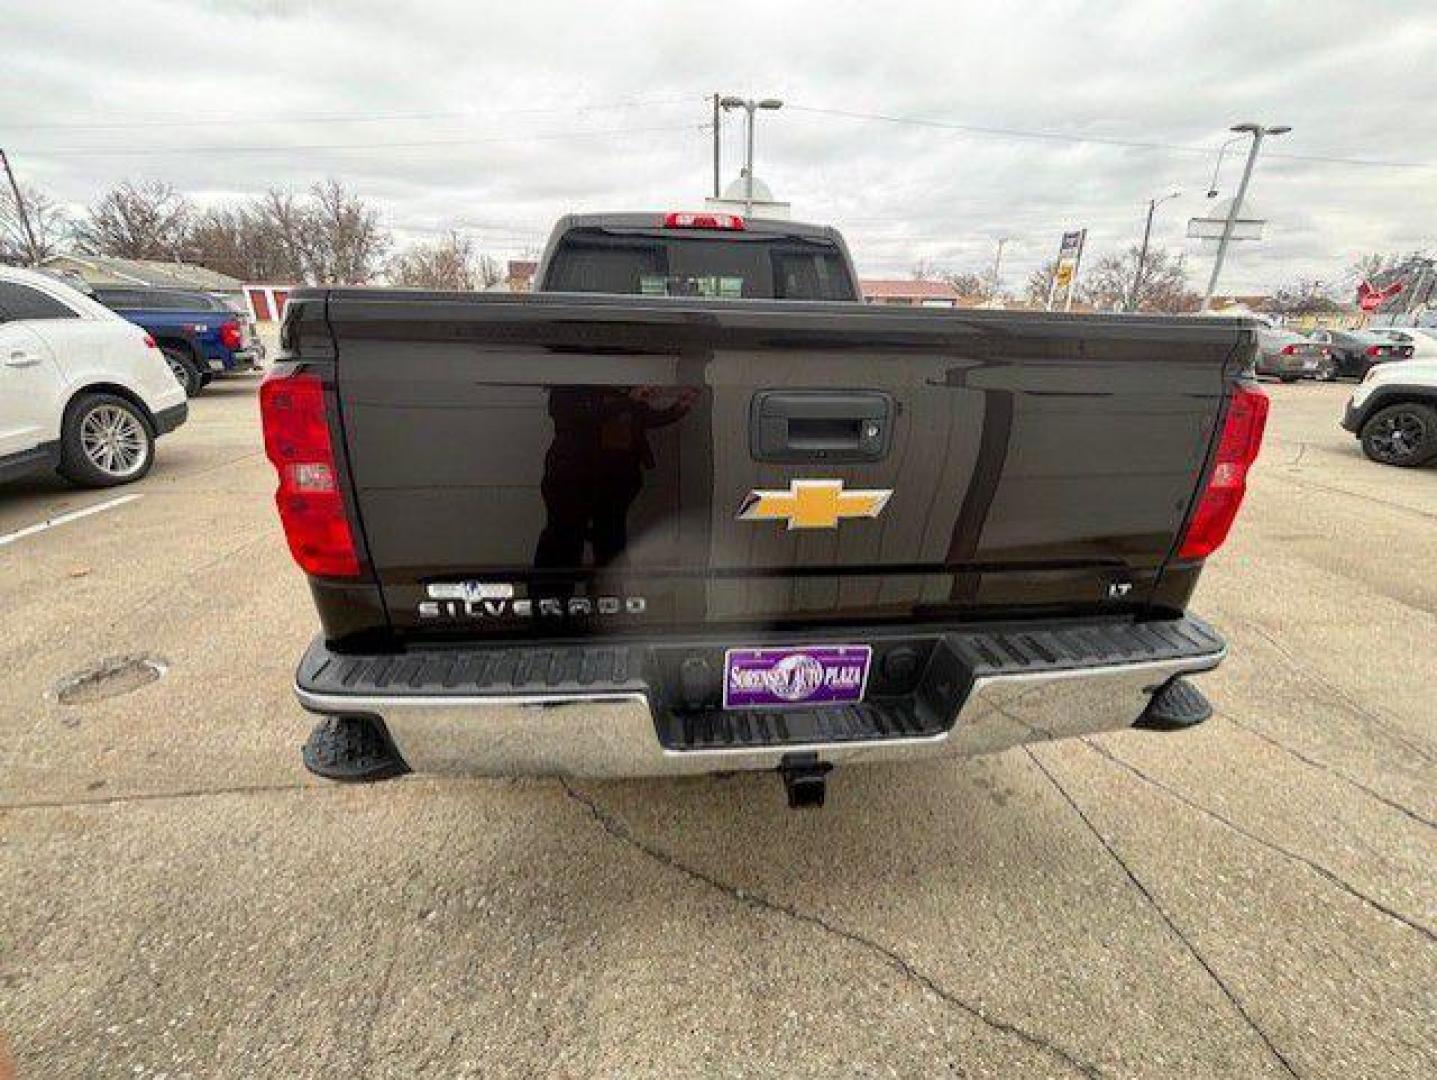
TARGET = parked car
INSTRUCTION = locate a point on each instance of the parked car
(1355, 352)
(1394, 413)
(1423, 339)
(719, 514)
(82, 390)
(201, 335)
(1289, 356)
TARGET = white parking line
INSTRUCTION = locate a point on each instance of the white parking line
(61, 519)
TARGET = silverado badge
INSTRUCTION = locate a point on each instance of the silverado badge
(813, 504)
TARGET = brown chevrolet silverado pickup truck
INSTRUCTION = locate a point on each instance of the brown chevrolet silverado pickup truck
(693, 507)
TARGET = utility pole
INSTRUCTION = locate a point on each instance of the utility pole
(1258, 132)
(1143, 251)
(749, 106)
(998, 265)
(718, 121)
(20, 210)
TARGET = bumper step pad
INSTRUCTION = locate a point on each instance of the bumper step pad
(525, 671)
(1179, 705)
(352, 748)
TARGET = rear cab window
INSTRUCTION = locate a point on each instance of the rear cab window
(738, 266)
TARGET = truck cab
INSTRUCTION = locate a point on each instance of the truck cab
(715, 255)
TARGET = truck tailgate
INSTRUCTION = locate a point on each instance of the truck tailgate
(570, 464)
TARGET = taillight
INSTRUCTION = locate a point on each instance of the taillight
(1237, 449)
(1289, 350)
(682, 220)
(150, 342)
(311, 505)
(230, 336)
(1374, 350)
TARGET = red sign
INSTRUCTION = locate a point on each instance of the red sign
(1370, 297)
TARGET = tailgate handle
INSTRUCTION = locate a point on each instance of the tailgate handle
(820, 425)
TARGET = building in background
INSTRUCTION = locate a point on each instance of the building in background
(520, 275)
(1254, 303)
(910, 293)
(266, 303)
(102, 270)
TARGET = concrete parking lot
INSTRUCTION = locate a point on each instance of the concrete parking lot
(1254, 898)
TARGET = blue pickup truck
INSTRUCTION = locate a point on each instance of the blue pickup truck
(201, 335)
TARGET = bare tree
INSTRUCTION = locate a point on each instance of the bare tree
(1374, 266)
(1040, 282)
(451, 262)
(329, 235)
(137, 221)
(289, 226)
(347, 243)
(1108, 282)
(490, 273)
(966, 283)
(924, 270)
(49, 223)
(264, 240)
(1305, 296)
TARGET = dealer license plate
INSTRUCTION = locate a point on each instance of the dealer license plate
(795, 676)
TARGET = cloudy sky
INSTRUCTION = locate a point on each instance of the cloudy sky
(498, 117)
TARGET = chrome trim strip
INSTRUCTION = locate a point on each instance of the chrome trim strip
(612, 733)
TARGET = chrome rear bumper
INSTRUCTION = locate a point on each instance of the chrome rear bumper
(612, 732)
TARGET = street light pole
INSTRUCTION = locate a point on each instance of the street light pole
(1257, 131)
(749, 106)
(20, 210)
(748, 166)
(718, 121)
(1153, 204)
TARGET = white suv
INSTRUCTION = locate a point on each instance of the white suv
(81, 390)
(1394, 413)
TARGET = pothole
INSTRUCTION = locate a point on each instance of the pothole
(110, 677)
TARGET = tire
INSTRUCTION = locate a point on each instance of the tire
(106, 440)
(1289, 378)
(184, 369)
(1403, 435)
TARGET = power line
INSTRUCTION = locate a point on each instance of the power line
(342, 118)
(1097, 140)
(157, 151)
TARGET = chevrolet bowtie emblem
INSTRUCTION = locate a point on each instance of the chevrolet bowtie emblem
(813, 504)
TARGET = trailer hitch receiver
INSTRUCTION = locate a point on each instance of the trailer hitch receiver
(805, 780)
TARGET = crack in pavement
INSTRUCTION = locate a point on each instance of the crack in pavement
(1322, 766)
(1390, 729)
(1315, 486)
(1166, 918)
(163, 796)
(329, 786)
(1277, 848)
(620, 831)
